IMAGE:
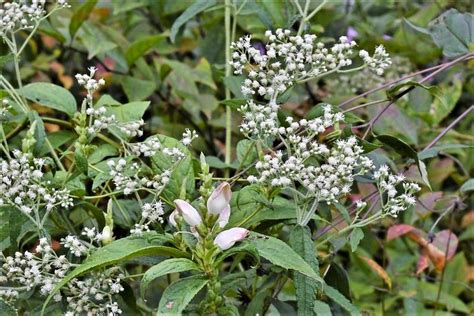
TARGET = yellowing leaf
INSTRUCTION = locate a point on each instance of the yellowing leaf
(378, 270)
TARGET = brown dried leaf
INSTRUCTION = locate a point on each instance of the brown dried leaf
(378, 270)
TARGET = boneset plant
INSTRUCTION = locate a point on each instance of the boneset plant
(102, 214)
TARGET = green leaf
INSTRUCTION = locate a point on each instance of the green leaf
(57, 139)
(168, 266)
(6, 309)
(137, 89)
(51, 96)
(40, 133)
(178, 295)
(80, 15)
(81, 161)
(340, 299)
(433, 151)
(467, 186)
(300, 241)
(194, 9)
(402, 148)
(280, 254)
(246, 152)
(322, 309)
(355, 237)
(453, 32)
(119, 251)
(141, 46)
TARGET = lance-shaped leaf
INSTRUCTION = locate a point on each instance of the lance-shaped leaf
(173, 265)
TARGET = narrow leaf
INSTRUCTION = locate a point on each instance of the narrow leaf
(194, 9)
(80, 15)
(173, 265)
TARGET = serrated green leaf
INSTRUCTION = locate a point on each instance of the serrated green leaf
(178, 295)
(306, 287)
(174, 265)
(7, 309)
(322, 309)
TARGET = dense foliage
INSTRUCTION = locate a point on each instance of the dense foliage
(236, 157)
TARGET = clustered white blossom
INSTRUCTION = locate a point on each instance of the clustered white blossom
(21, 185)
(147, 148)
(93, 295)
(287, 59)
(100, 120)
(132, 129)
(188, 137)
(4, 108)
(378, 62)
(44, 269)
(258, 120)
(151, 213)
(396, 202)
(126, 177)
(89, 82)
(19, 15)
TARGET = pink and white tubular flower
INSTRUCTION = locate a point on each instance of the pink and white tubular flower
(226, 239)
(188, 212)
(219, 203)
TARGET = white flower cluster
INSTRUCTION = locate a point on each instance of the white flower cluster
(27, 270)
(378, 62)
(126, 177)
(75, 245)
(147, 148)
(328, 181)
(44, 269)
(287, 59)
(396, 202)
(19, 15)
(151, 213)
(132, 129)
(89, 83)
(100, 120)
(4, 108)
(259, 121)
(21, 185)
(188, 137)
(93, 295)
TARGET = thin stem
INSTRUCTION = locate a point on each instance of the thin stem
(53, 153)
(365, 105)
(399, 95)
(450, 126)
(320, 6)
(385, 85)
(228, 110)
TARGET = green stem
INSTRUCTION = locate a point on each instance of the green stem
(228, 110)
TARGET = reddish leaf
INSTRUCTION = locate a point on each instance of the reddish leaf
(446, 239)
(427, 202)
(422, 263)
(398, 230)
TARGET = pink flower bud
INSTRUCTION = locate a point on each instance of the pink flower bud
(172, 218)
(219, 199)
(226, 239)
(188, 212)
(224, 217)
